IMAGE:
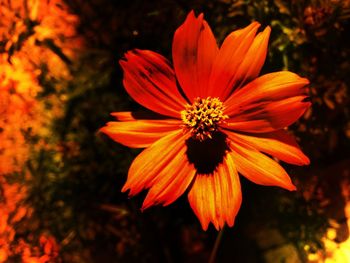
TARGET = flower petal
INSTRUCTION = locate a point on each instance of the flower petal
(278, 144)
(266, 117)
(269, 87)
(254, 59)
(259, 168)
(149, 80)
(194, 50)
(124, 116)
(171, 182)
(151, 161)
(140, 133)
(137, 115)
(230, 56)
(217, 197)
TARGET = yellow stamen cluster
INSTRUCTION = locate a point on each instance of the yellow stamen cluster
(203, 117)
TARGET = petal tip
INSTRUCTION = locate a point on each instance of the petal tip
(125, 188)
(266, 33)
(231, 222)
(307, 104)
(122, 63)
(306, 160)
(103, 130)
(292, 187)
(204, 226)
(267, 29)
(302, 160)
(145, 205)
(200, 16)
(306, 81)
(192, 15)
(255, 23)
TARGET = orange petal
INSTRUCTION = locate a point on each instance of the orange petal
(230, 56)
(217, 197)
(123, 116)
(194, 50)
(259, 168)
(278, 144)
(270, 87)
(266, 117)
(172, 181)
(137, 115)
(149, 163)
(140, 133)
(254, 59)
(149, 80)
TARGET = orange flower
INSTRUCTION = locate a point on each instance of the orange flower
(214, 118)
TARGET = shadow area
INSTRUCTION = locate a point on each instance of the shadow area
(207, 155)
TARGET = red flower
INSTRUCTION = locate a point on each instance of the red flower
(215, 118)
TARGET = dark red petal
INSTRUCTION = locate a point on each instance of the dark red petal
(267, 88)
(228, 60)
(150, 81)
(194, 51)
(266, 117)
(253, 60)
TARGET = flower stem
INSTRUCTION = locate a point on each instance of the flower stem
(216, 246)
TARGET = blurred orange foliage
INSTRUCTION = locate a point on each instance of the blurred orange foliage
(11, 213)
(34, 33)
(14, 211)
(18, 109)
(36, 37)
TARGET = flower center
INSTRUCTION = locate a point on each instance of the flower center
(203, 117)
